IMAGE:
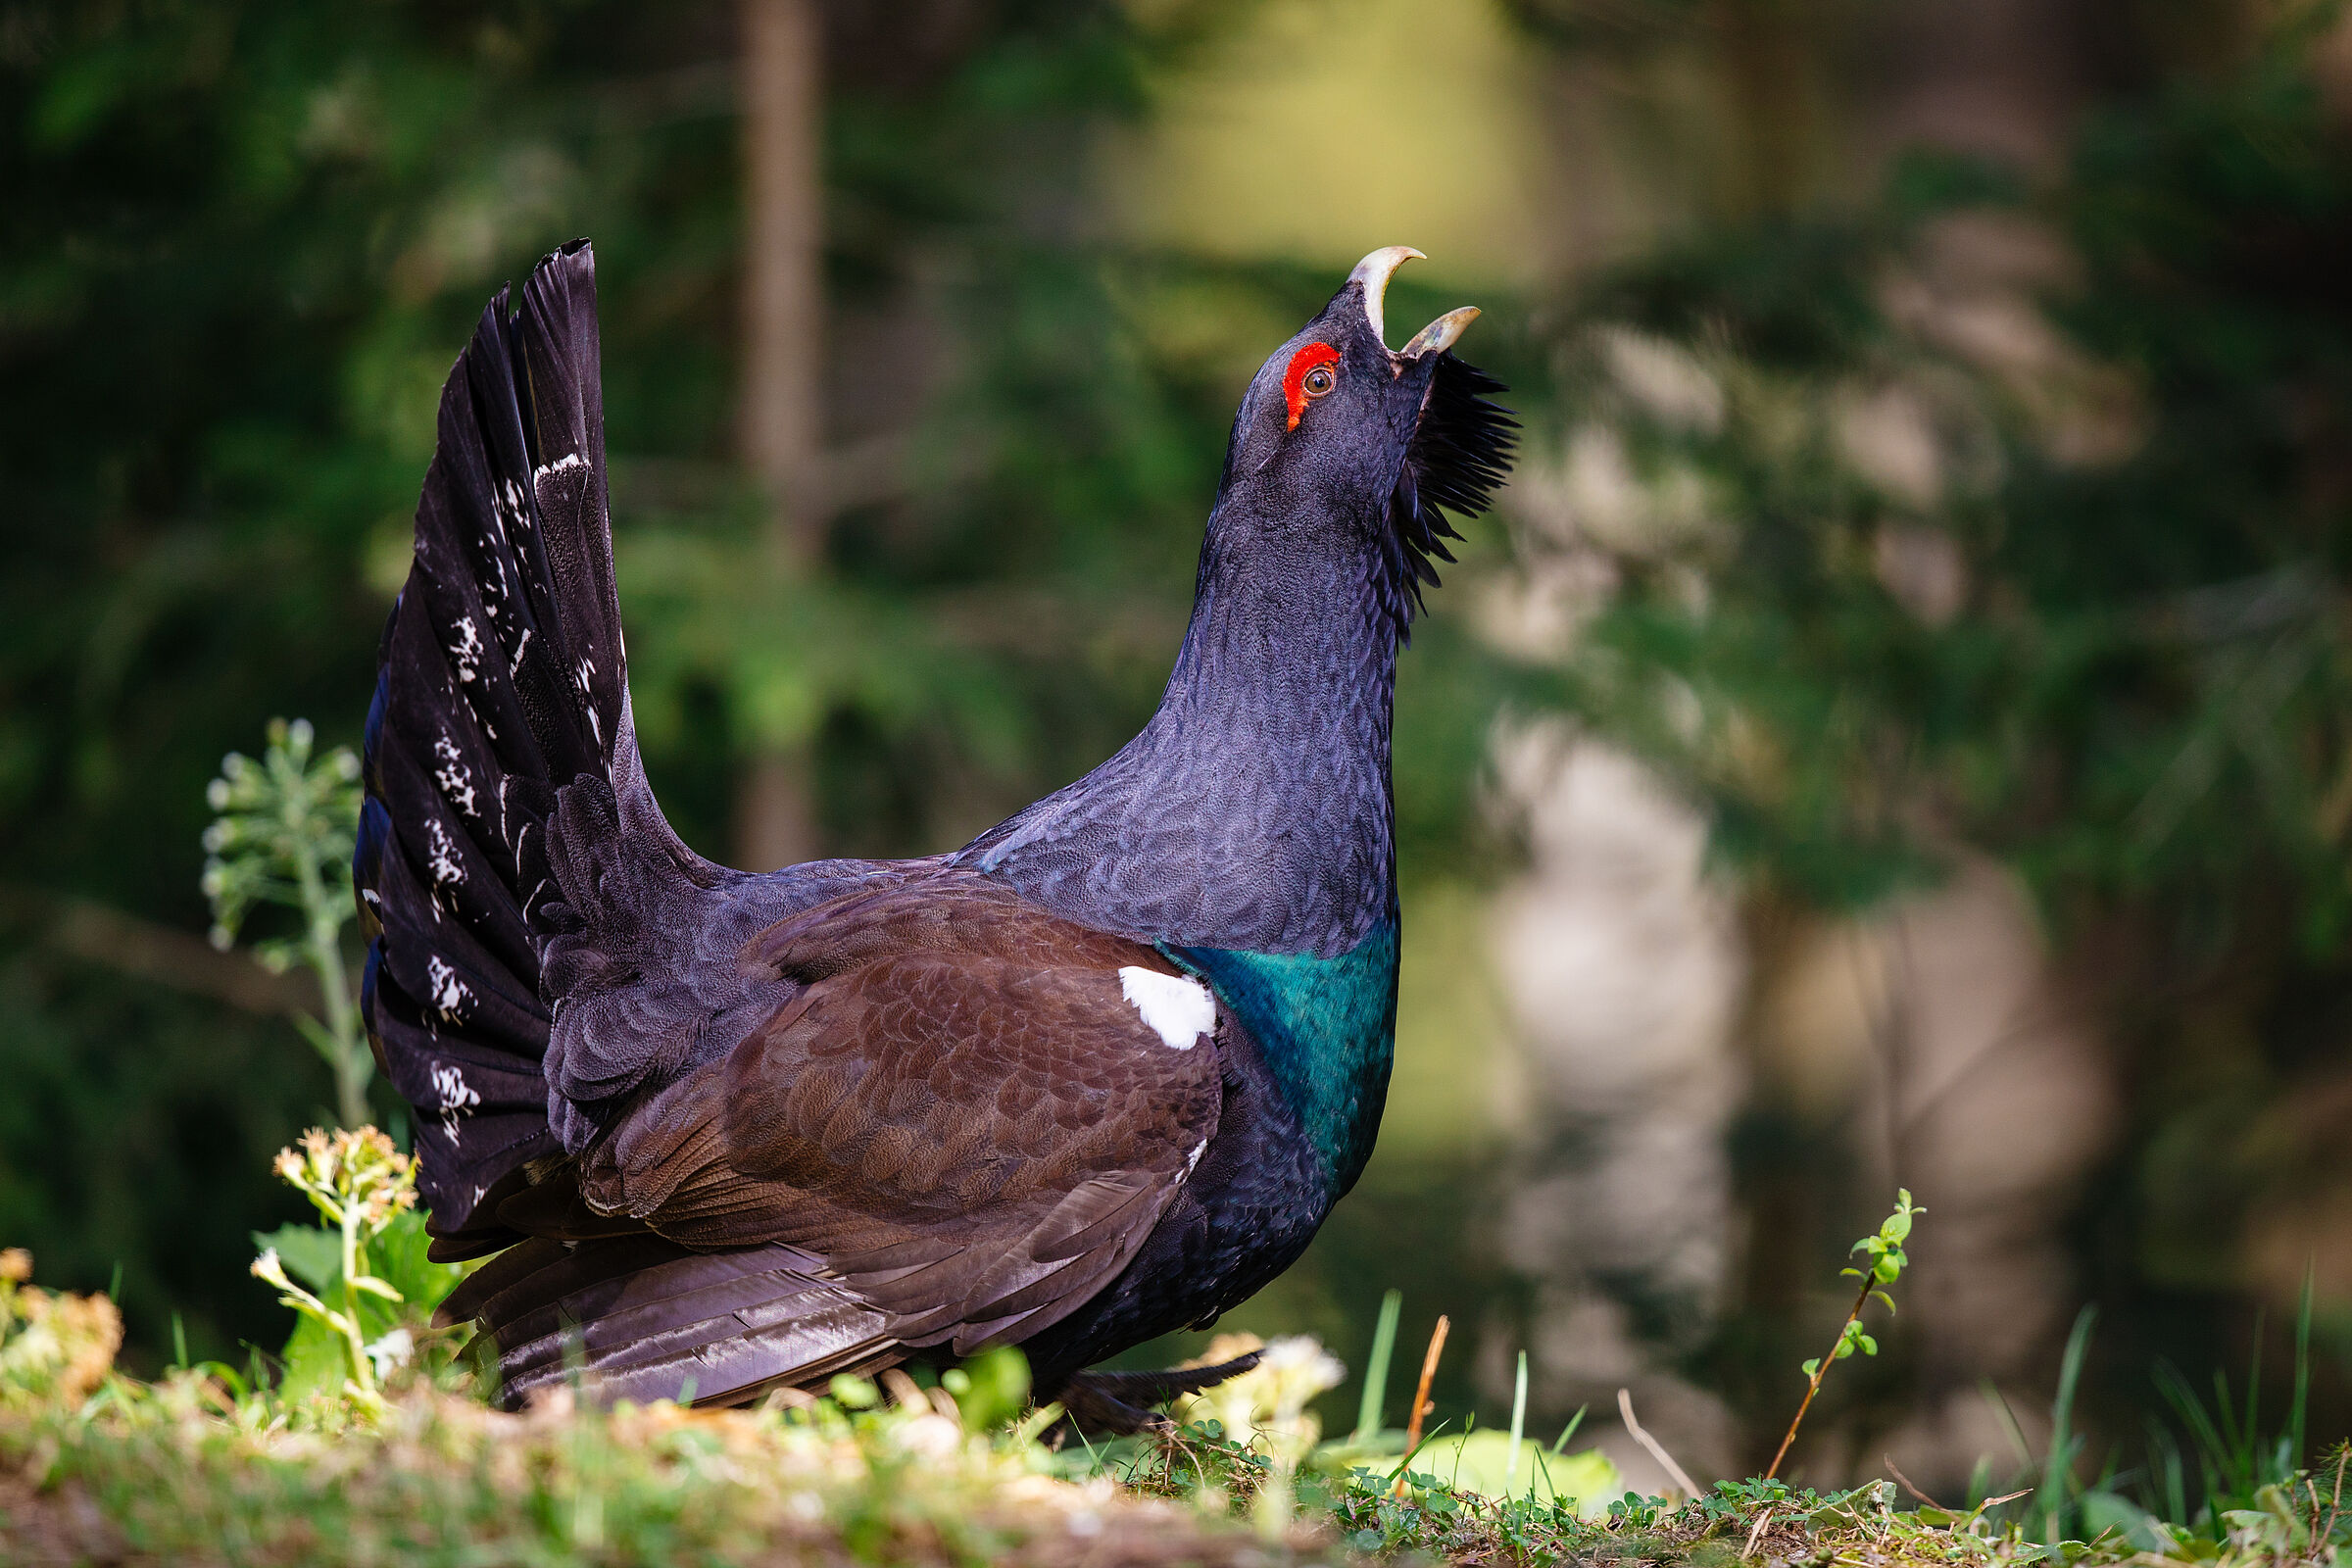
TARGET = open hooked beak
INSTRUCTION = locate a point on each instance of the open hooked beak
(1374, 272)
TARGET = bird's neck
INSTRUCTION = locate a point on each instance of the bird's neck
(1253, 812)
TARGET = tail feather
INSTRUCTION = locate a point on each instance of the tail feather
(645, 1318)
(501, 681)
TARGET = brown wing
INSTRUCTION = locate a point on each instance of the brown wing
(961, 1113)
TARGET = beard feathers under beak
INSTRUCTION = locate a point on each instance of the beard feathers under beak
(1462, 442)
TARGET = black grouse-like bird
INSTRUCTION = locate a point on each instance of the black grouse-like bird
(1097, 1075)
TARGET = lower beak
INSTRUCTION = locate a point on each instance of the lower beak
(1441, 334)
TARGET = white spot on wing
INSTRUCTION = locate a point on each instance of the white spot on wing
(1194, 1159)
(570, 460)
(1181, 1010)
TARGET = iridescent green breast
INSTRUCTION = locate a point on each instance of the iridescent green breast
(1328, 1029)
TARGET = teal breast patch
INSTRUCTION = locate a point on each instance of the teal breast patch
(1328, 1029)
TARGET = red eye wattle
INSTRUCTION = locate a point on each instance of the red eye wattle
(1312, 372)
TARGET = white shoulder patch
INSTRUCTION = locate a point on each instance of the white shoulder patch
(1182, 1010)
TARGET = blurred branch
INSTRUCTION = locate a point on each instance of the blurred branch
(855, 473)
(1656, 1449)
(700, 91)
(100, 934)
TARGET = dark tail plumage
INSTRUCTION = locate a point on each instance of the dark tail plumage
(500, 681)
(510, 852)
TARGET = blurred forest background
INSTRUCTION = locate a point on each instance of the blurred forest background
(1898, 726)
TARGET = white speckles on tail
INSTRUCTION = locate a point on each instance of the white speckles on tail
(450, 993)
(508, 506)
(458, 1098)
(581, 677)
(468, 650)
(1181, 1010)
(451, 774)
(441, 855)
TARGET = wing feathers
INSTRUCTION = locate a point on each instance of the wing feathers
(961, 1115)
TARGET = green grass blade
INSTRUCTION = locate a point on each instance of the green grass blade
(2057, 1471)
(1376, 1366)
(1999, 1401)
(2244, 1436)
(1511, 1472)
(2296, 1412)
(2203, 1434)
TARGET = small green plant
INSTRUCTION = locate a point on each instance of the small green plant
(1883, 1263)
(359, 1183)
(283, 834)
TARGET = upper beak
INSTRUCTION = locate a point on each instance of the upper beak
(1374, 272)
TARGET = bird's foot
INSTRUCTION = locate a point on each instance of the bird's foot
(1120, 1402)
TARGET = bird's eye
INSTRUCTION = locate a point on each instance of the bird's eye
(1312, 372)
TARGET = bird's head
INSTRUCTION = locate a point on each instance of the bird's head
(1341, 432)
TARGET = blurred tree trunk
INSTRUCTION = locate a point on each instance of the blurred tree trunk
(781, 433)
(1771, 80)
(1960, 1071)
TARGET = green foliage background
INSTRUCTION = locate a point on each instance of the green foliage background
(242, 244)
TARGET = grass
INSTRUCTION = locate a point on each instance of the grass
(199, 1468)
(208, 1466)
(202, 1467)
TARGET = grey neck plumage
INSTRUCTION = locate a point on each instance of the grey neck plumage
(1253, 810)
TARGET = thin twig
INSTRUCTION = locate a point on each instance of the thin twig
(1821, 1369)
(1421, 1405)
(98, 933)
(1658, 1452)
(2336, 1505)
(1910, 1486)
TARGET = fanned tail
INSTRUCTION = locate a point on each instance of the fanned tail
(501, 680)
